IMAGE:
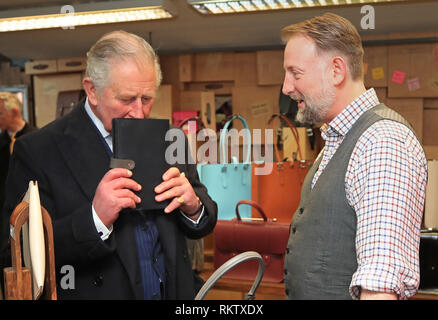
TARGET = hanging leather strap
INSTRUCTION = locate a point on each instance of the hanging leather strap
(294, 133)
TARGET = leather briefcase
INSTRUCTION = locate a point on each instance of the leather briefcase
(67, 101)
(267, 237)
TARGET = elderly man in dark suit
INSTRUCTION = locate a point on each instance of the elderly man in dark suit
(116, 252)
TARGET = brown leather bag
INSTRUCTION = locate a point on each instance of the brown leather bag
(279, 192)
(67, 101)
(262, 235)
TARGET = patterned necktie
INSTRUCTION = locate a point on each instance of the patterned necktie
(11, 145)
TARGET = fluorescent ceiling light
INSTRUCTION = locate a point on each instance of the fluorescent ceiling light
(235, 6)
(70, 20)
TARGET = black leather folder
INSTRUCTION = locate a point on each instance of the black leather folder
(140, 145)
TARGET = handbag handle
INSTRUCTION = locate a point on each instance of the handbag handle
(252, 204)
(198, 122)
(223, 136)
(294, 133)
(230, 264)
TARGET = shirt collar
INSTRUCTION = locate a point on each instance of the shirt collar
(343, 122)
(96, 120)
(10, 133)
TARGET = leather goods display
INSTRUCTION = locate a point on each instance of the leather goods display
(228, 183)
(265, 236)
(67, 101)
(279, 192)
(142, 141)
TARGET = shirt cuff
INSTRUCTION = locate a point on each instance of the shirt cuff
(193, 221)
(102, 230)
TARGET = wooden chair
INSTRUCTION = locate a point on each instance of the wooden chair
(18, 279)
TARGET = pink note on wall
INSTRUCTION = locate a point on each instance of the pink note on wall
(398, 76)
(413, 84)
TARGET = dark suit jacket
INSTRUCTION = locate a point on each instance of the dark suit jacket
(68, 159)
(5, 140)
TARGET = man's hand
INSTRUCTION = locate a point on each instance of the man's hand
(177, 187)
(113, 194)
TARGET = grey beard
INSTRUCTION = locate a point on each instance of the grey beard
(313, 114)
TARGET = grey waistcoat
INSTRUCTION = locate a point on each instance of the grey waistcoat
(321, 256)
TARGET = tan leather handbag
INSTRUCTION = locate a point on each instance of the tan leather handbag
(279, 192)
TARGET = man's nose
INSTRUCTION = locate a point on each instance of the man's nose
(288, 85)
(137, 109)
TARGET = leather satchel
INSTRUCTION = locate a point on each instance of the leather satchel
(228, 183)
(279, 192)
(267, 237)
(67, 101)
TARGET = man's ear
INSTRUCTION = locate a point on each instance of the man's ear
(339, 70)
(15, 112)
(91, 91)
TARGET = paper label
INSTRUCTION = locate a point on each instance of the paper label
(260, 110)
(413, 84)
(433, 83)
(398, 76)
(49, 89)
(378, 73)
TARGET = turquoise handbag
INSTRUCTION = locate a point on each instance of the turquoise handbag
(229, 183)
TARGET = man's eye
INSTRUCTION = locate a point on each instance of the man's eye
(126, 100)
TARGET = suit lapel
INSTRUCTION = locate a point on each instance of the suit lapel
(83, 151)
(127, 250)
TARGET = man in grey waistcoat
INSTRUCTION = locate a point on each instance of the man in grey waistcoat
(356, 232)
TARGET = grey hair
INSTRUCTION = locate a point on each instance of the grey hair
(118, 45)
